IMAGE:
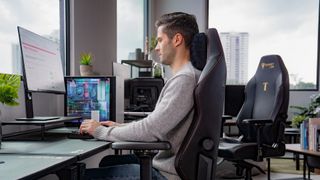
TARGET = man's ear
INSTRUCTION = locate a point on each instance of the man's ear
(177, 39)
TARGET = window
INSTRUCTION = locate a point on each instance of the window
(130, 24)
(42, 17)
(251, 29)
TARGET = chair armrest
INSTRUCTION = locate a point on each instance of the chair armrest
(161, 145)
(258, 121)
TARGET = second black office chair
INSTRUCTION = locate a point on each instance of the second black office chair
(262, 118)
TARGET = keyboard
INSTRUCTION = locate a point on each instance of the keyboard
(39, 118)
(76, 135)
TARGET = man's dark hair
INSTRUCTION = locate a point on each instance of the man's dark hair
(179, 22)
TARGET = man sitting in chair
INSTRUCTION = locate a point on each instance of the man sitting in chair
(173, 113)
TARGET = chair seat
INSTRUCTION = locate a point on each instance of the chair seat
(240, 151)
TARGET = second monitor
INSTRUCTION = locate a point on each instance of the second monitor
(87, 94)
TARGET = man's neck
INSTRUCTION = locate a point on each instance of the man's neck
(180, 61)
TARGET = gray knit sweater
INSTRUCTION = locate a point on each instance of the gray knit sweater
(169, 121)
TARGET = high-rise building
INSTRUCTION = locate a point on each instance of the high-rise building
(16, 59)
(235, 47)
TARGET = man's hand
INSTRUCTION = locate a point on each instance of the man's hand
(89, 126)
(109, 123)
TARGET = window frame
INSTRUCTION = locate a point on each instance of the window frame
(318, 51)
(65, 31)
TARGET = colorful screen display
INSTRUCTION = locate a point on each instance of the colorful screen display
(88, 94)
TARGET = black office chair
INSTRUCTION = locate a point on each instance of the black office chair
(261, 119)
(197, 156)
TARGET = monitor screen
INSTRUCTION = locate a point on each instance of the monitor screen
(41, 62)
(234, 98)
(86, 94)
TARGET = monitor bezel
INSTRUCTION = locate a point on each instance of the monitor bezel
(112, 94)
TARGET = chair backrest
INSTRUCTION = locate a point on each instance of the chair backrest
(266, 97)
(197, 156)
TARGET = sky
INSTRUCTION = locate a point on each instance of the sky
(39, 16)
(285, 27)
(129, 27)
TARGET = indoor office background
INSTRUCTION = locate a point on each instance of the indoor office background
(103, 28)
(108, 30)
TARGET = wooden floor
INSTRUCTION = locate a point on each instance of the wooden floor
(226, 170)
(281, 176)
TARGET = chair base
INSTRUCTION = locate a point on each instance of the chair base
(242, 165)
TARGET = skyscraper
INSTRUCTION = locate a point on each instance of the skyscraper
(16, 59)
(235, 47)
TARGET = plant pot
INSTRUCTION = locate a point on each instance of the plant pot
(86, 70)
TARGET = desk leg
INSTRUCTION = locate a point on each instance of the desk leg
(304, 166)
(68, 173)
(42, 132)
(297, 159)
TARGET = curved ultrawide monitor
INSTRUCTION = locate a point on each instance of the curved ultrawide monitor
(41, 62)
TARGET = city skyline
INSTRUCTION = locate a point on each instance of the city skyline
(275, 27)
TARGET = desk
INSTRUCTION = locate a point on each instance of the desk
(293, 134)
(295, 148)
(66, 147)
(42, 124)
(228, 120)
(63, 149)
(31, 166)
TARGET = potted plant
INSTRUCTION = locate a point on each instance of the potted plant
(304, 113)
(9, 92)
(85, 64)
(151, 46)
(9, 89)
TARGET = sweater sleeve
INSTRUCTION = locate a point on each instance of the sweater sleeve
(175, 104)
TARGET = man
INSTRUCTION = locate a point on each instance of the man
(173, 113)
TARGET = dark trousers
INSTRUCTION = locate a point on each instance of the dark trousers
(119, 167)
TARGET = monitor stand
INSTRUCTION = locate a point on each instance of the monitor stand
(38, 118)
(29, 110)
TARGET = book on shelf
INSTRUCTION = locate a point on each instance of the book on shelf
(314, 125)
(309, 134)
(304, 128)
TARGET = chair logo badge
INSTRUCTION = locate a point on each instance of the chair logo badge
(267, 65)
(265, 86)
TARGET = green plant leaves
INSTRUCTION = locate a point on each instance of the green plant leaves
(86, 58)
(153, 43)
(306, 112)
(9, 88)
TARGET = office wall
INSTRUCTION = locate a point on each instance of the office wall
(195, 7)
(93, 29)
